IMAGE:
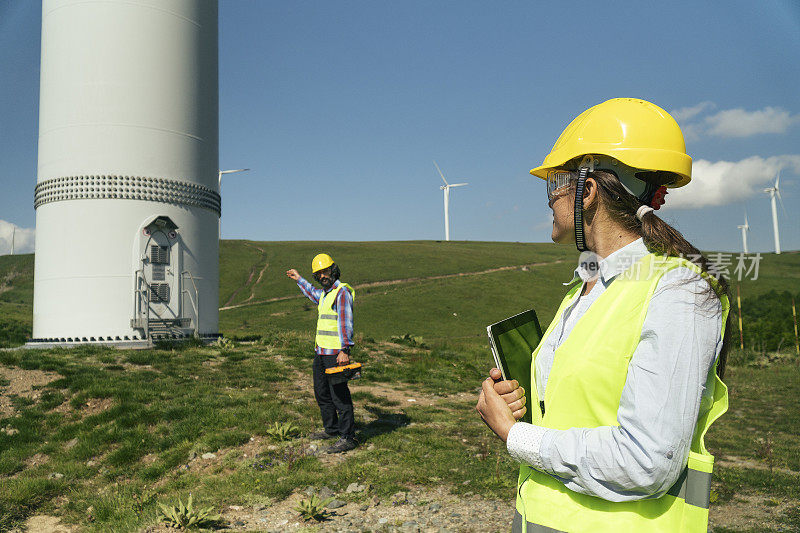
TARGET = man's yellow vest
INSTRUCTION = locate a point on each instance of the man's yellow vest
(584, 390)
(327, 319)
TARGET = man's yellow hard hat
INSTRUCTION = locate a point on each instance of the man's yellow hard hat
(321, 262)
(635, 132)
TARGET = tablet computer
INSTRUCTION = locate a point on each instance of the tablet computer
(513, 341)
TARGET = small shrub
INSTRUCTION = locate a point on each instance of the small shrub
(283, 431)
(186, 516)
(141, 500)
(313, 508)
(764, 450)
(290, 457)
(408, 339)
(224, 343)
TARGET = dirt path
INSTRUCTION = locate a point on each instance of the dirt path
(6, 282)
(249, 279)
(422, 509)
(19, 382)
(393, 282)
(45, 524)
(253, 287)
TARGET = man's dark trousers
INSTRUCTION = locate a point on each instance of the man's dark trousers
(335, 403)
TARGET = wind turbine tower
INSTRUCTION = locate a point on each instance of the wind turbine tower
(446, 188)
(126, 202)
(745, 228)
(775, 192)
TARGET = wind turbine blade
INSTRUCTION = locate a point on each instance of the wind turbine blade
(777, 179)
(440, 173)
(458, 184)
(780, 199)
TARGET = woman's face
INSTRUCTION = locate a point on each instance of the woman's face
(563, 219)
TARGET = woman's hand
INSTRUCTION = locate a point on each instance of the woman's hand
(501, 403)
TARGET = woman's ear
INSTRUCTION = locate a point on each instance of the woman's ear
(590, 194)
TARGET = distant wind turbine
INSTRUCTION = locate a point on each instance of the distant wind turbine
(446, 189)
(773, 192)
(745, 228)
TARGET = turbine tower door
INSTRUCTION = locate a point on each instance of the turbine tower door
(158, 282)
(160, 276)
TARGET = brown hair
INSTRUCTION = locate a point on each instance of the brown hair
(660, 238)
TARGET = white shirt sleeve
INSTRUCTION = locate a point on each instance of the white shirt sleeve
(523, 443)
(644, 455)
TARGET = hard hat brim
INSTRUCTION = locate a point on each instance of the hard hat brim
(675, 162)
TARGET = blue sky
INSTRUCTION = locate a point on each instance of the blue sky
(347, 104)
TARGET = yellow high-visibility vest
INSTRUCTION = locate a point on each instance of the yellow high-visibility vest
(584, 390)
(327, 319)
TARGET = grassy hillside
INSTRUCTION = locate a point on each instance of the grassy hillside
(364, 262)
(16, 298)
(448, 308)
(402, 287)
(98, 437)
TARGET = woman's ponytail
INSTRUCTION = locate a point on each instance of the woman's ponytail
(660, 238)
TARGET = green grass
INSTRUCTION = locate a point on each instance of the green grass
(419, 307)
(773, 393)
(161, 406)
(168, 404)
(367, 262)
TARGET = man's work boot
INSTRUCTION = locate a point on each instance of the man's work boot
(321, 435)
(343, 445)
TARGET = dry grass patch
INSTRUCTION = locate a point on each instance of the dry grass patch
(22, 383)
(752, 512)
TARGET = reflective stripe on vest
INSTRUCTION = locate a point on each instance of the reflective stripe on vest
(516, 526)
(583, 391)
(327, 319)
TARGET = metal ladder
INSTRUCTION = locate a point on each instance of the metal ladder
(156, 328)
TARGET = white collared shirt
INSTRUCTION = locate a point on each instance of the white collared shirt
(660, 403)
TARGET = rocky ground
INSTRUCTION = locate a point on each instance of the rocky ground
(421, 510)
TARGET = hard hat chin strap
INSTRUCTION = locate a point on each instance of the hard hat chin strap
(580, 241)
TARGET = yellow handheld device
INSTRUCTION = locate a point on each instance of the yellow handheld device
(341, 374)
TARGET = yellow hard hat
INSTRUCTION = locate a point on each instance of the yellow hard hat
(321, 262)
(635, 132)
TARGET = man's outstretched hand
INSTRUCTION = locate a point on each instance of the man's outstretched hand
(294, 274)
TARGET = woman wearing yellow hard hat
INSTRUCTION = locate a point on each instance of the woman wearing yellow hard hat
(626, 378)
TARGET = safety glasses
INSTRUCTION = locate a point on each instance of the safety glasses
(558, 182)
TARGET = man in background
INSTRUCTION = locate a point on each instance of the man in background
(333, 342)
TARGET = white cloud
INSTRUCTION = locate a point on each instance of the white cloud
(685, 114)
(724, 182)
(731, 122)
(23, 238)
(741, 123)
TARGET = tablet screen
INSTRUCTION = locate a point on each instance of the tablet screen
(513, 340)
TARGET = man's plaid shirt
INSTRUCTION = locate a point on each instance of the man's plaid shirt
(344, 311)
